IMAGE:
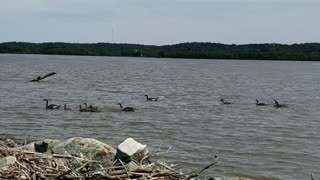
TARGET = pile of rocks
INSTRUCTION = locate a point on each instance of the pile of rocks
(80, 158)
(83, 158)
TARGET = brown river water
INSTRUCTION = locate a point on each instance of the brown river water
(188, 121)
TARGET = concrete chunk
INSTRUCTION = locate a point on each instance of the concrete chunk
(130, 150)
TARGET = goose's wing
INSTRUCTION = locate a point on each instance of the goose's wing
(53, 106)
(262, 104)
(128, 109)
(94, 110)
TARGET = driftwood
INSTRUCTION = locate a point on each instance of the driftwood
(39, 78)
(33, 165)
(193, 175)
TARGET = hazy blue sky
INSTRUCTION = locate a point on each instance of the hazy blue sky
(160, 21)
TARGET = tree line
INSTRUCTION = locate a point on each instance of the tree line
(195, 50)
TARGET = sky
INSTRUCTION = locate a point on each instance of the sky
(160, 22)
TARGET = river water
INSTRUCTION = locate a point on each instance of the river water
(188, 120)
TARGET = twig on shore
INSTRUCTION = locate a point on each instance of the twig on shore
(193, 175)
(124, 168)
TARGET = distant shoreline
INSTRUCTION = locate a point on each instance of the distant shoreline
(164, 58)
(283, 52)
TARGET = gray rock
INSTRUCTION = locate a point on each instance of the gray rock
(87, 148)
(130, 150)
(28, 147)
(6, 161)
(7, 142)
(51, 143)
(41, 147)
(132, 166)
(44, 146)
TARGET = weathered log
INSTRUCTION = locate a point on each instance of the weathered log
(39, 78)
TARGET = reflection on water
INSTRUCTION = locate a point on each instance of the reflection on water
(261, 142)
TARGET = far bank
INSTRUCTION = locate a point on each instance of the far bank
(268, 51)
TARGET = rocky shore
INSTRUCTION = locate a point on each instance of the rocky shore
(87, 158)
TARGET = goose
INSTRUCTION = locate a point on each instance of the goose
(65, 108)
(260, 104)
(151, 98)
(82, 109)
(93, 109)
(89, 109)
(277, 105)
(223, 102)
(51, 106)
(128, 109)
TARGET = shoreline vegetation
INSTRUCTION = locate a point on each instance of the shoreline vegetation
(88, 158)
(192, 50)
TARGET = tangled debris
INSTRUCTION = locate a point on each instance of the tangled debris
(16, 162)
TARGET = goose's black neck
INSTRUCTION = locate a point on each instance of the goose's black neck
(47, 103)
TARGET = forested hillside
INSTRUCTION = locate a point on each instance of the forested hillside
(306, 51)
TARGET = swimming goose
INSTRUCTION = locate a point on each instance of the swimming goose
(128, 109)
(65, 108)
(151, 98)
(82, 109)
(93, 109)
(89, 109)
(277, 105)
(223, 102)
(51, 106)
(260, 104)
